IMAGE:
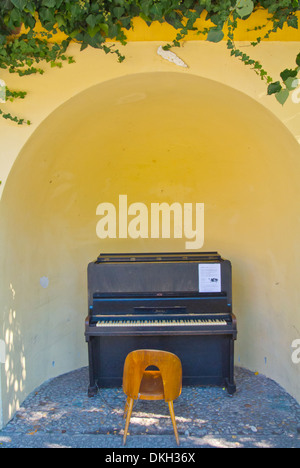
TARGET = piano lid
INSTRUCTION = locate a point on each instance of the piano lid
(159, 257)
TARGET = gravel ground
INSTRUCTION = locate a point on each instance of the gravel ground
(60, 414)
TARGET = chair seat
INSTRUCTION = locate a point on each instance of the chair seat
(152, 387)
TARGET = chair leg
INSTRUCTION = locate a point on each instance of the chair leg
(171, 408)
(126, 407)
(129, 411)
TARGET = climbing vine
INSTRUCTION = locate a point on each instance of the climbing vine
(98, 23)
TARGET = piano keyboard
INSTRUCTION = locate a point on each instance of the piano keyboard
(161, 323)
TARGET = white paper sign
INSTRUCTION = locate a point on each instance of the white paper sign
(209, 277)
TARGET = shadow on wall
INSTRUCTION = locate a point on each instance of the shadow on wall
(155, 137)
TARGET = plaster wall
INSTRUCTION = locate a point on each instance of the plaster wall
(157, 133)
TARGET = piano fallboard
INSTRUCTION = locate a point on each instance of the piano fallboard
(159, 303)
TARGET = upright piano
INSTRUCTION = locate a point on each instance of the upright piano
(177, 302)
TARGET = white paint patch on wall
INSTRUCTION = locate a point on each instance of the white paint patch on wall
(171, 57)
(44, 282)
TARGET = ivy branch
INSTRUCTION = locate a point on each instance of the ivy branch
(228, 13)
(94, 22)
(11, 96)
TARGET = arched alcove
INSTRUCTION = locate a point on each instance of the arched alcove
(155, 137)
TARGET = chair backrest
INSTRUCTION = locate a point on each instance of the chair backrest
(168, 363)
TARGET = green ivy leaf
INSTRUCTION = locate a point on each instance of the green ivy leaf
(60, 21)
(282, 96)
(75, 10)
(145, 7)
(118, 11)
(15, 17)
(215, 35)
(174, 19)
(274, 88)
(156, 10)
(291, 83)
(244, 8)
(91, 21)
(20, 4)
(298, 60)
(49, 3)
(287, 73)
(93, 31)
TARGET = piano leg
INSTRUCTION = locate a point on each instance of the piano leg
(92, 390)
(229, 382)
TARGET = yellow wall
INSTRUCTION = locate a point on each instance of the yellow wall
(155, 132)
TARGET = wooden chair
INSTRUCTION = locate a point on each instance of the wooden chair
(162, 384)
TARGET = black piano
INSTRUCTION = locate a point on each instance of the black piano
(175, 302)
